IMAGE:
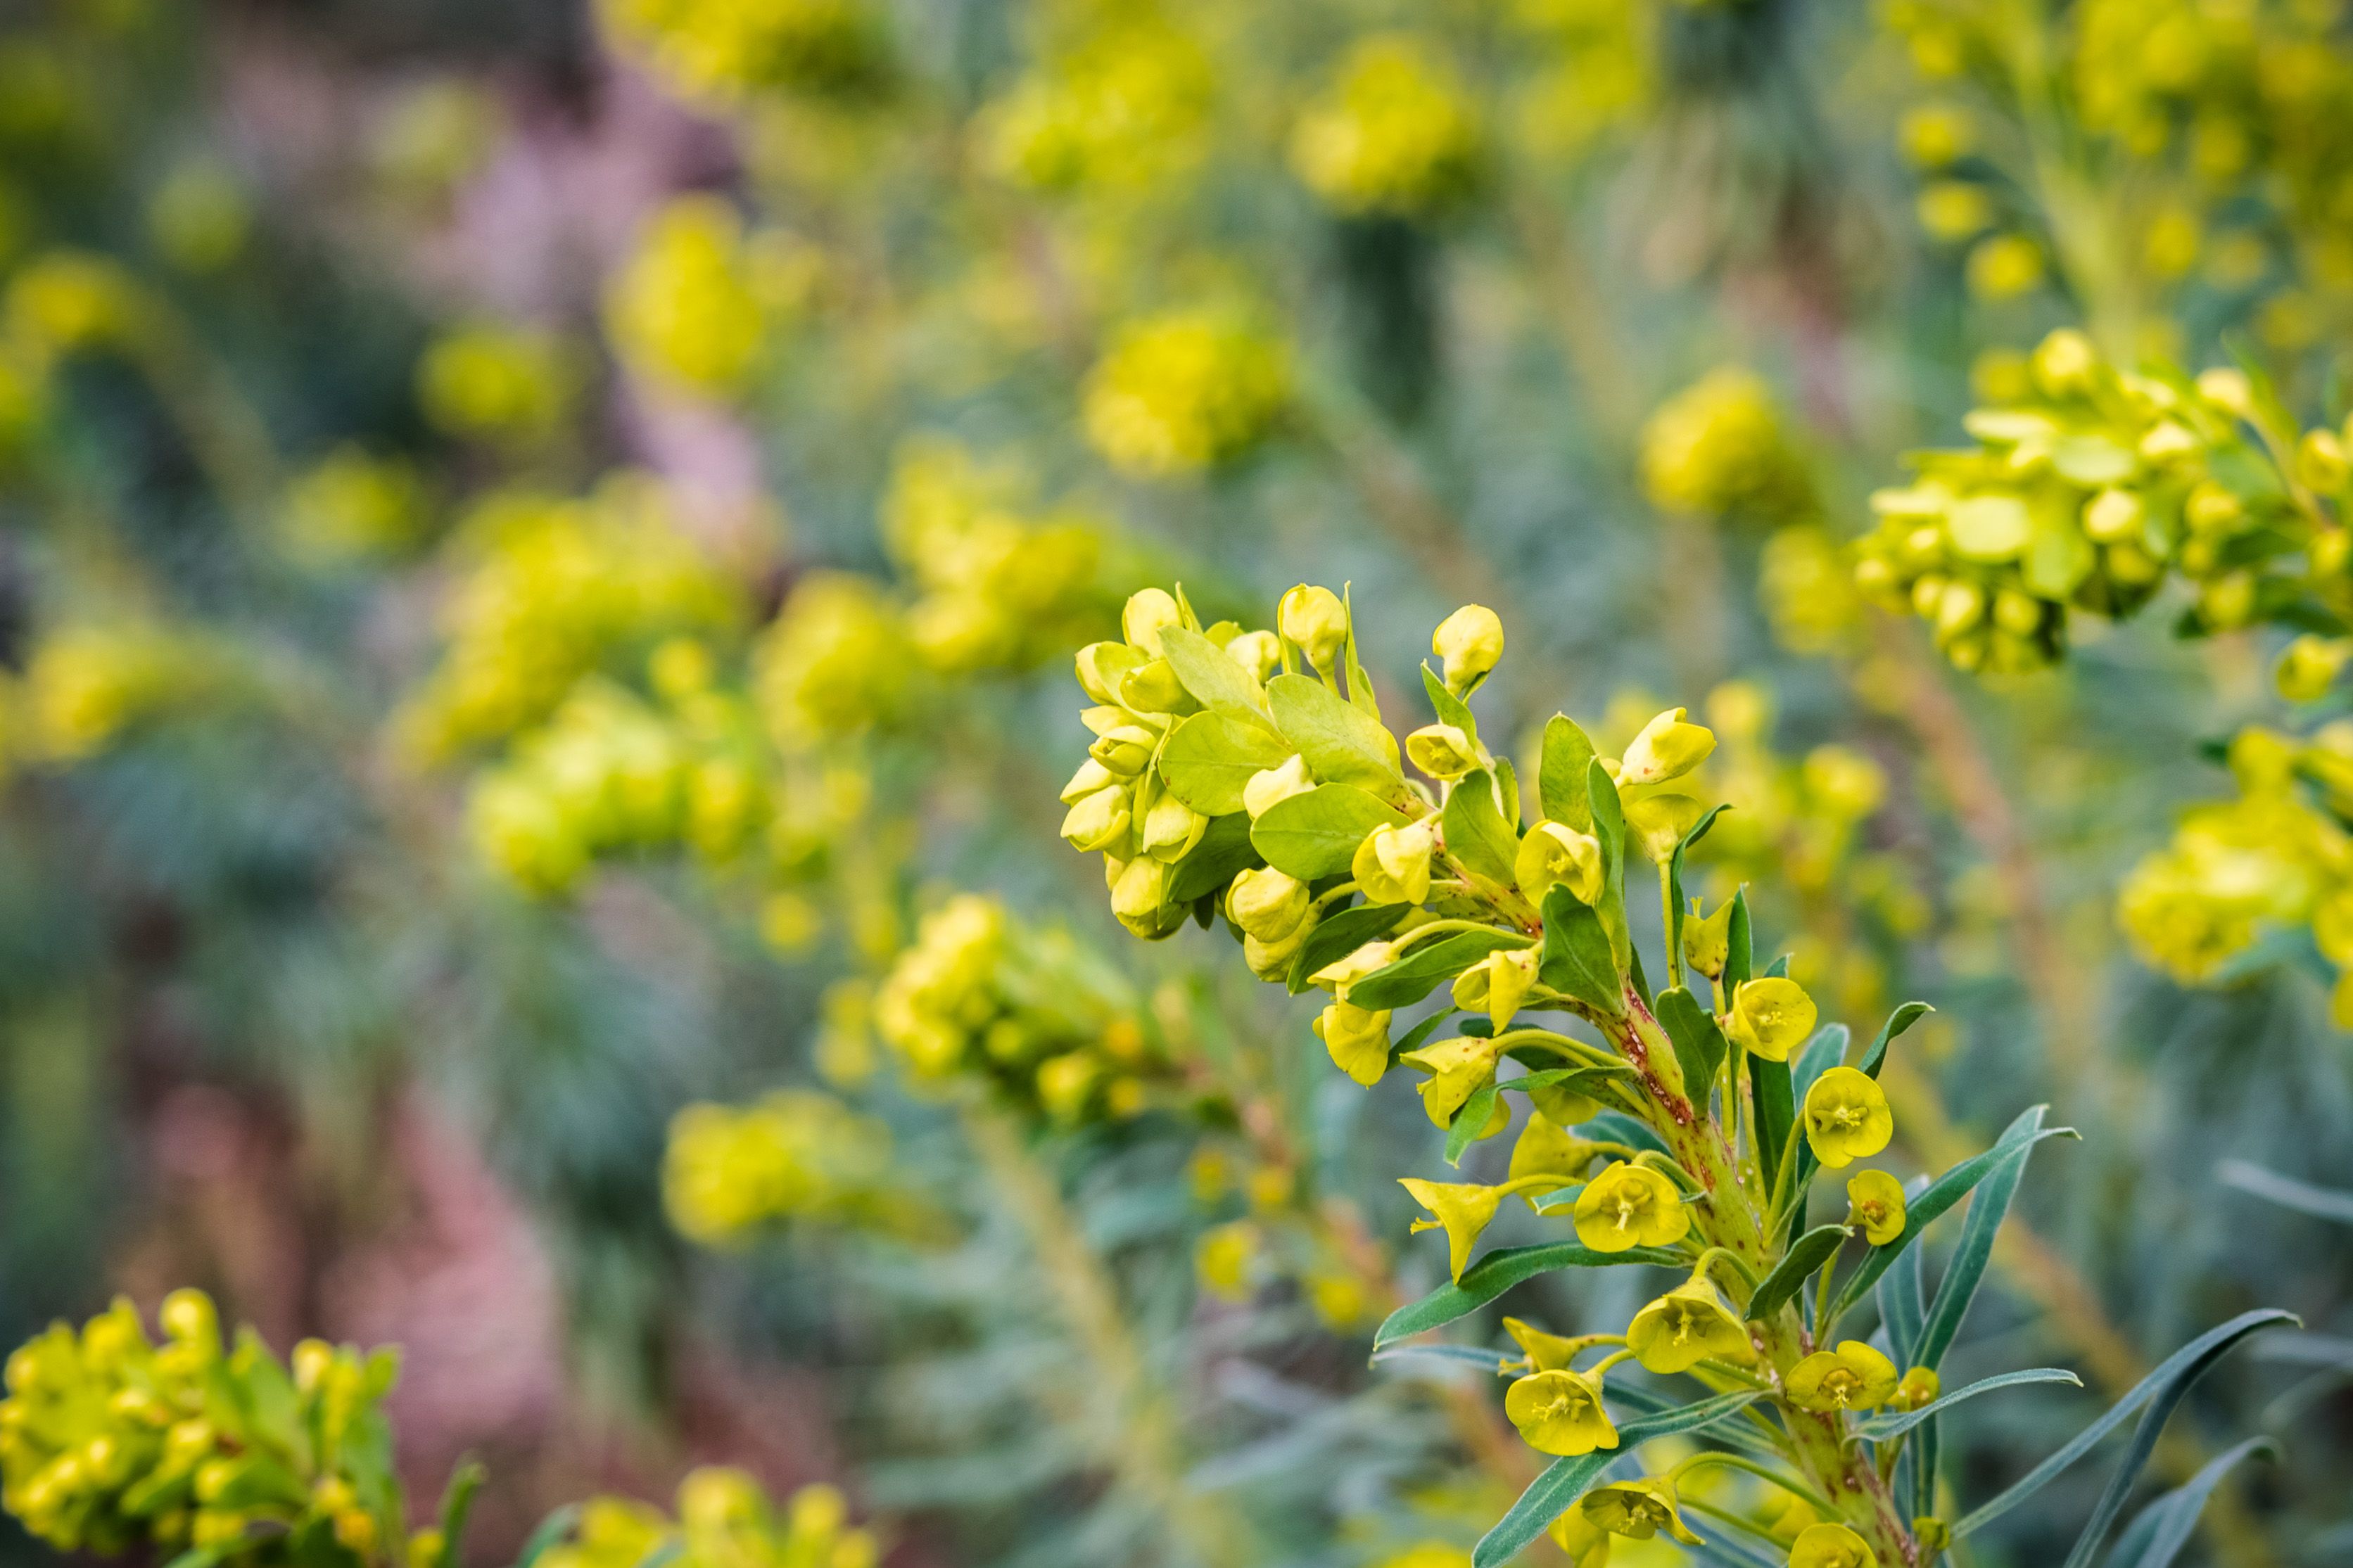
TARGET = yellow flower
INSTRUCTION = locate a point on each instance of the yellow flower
(350, 505)
(1875, 1201)
(1688, 1325)
(1313, 620)
(1395, 134)
(1544, 1353)
(1832, 1546)
(1357, 1039)
(1718, 447)
(1182, 391)
(1343, 972)
(1770, 1018)
(1847, 1118)
(1707, 939)
(1441, 751)
(2310, 666)
(1269, 786)
(1667, 748)
(1392, 865)
(1469, 643)
(1554, 852)
(720, 51)
(1853, 1377)
(1658, 823)
(691, 310)
(2005, 267)
(1638, 1509)
(1627, 1207)
(1458, 1069)
(1463, 1210)
(1224, 1257)
(1585, 1544)
(1545, 1148)
(1560, 1412)
(1266, 903)
(1918, 1389)
(1497, 985)
(497, 383)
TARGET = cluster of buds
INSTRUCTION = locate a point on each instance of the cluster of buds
(1126, 110)
(108, 1441)
(725, 1519)
(2086, 490)
(1394, 133)
(511, 387)
(1686, 1128)
(1029, 1014)
(730, 1174)
(1718, 449)
(86, 686)
(698, 306)
(1183, 391)
(352, 505)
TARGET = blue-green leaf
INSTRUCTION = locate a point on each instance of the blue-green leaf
(1610, 826)
(1676, 880)
(550, 1530)
(2164, 1527)
(1988, 1209)
(1466, 1355)
(1498, 1272)
(1776, 1113)
(1616, 1127)
(1880, 1428)
(1808, 1253)
(1469, 1120)
(1740, 955)
(1898, 1021)
(2322, 1203)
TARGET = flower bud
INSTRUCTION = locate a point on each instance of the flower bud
(2113, 515)
(1097, 821)
(1470, 641)
(2166, 441)
(1770, 1018)
(2064, 361)
(1315, 622)
(1392, 865)
(1441, 751)
(1358, 1039)
(2309, 667)
(1103, 665)
(2210, 509)
(2228, 603)
(1266, 903)
(1708, 940)
(1153, 688)
(1091, 776)
(2228, 390)
(1343, 972)
(2320, 461)
(1271, 785)
(1555, 852)
(1171, 829)
(1916, 1390)
(1260, 653)
(187, 1316)
(1497, 985)
(1658, 823)
(1148, 610)
(1137, 898)
(1667, 748)
(1271, 960)
(1125, 750)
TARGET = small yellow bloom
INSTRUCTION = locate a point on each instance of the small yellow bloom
(1707, 939)
(1545, 1148)
(1585, 1544)
(1853, 1377)
(1343, 972)
(1627, 1207)
(1918, 1389)
(1770, 1018)
(1639, 1509)
(1847, 1118)
(1266, 903)
(1458, 1069)
(1313, 620)
(1497, 985)
(1658, 823)
(1441, 751)
(1832, 1546)
(1555, 852)
(2310, 666)
(1463, 1210)
(1875, 1201)
(1359, 1041)
(1470, 642)
(1560, 1412)
(1225, 1257)
(1392, 865)
(1269, 786)
(1688, 1325)
(1545, 1352)
(1668, 747)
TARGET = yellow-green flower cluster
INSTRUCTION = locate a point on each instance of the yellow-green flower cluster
(724, 51)
(1126, 110)
(1184, 390)
(2274, 858)
(837, 661)
(1394, 133)
(1596, 70)
(351, 505)
(1806, 585)
(697, 306)
(87, 684)
(491, 382)
(70, 302)
(2083, 494)
(551, 590)
(980, 997)
(725, 1519)
(108, 1441)
(996, 588)
(731, 1173)
(1718, 449)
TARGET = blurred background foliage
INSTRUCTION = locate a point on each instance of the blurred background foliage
(543, 544)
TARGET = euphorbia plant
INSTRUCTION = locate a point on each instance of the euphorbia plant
(1681, 1123)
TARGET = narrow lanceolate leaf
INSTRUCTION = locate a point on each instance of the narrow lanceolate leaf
(1498, 1272)
(1560, 775)
(2322, 1203)
(1476, 833)
(1610, 826)
(1941, 1194)
(1898, 1021)
(1461, 1355)
(1341, 742)
(1727, 1431)
(1808, 1253)
(1216, 680)
(1739, 956)
(1565, 1480)
(2164, 1527)
(1339, 935)
(1900, 1304)
(1586, 1080)
(1577, 959)
(1699, 1044)
(2161, 1390)
(550, 1530)
(1676, 878)
(1211, 757)
(1988, 1209)
(1879, 1428)
(1315, 834)
(1777, 1113)
(1449, 708)
(1426, 967)
(1616, 1127)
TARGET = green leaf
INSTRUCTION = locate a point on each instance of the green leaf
(1467, 1356)
(1578, 1079)
(1315, 834)
(1988, 1209)
(2164, 1527)
(1469, 1120)
(1508, 785)
(1225, 849)
(1414, 1036)
(1700, 1047)
(1739, 961)
(2161, 1391)
(1880, 1428)
(1898, 1021)
(457, 1507)
(1616, 1127)
(1560, 775)
(550, 1530)
(1578, 961)
(1476, 833)
(1900, 1305)
(1726, 1430)
(1942, 1194)
(1675, 881)
(1565, 1480)
(1342, 744)
(2321, 1203)
(1336, 936)
(1806, 1254)
(1211, 757)
(1497, 1272)
(1216, 680)
(1449, 708)
(1422, 971)
(1610, 826)
(1775, 1109)
(1361, 695)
